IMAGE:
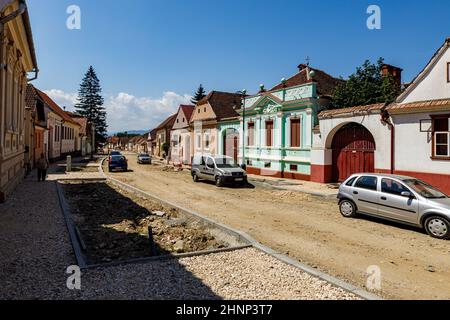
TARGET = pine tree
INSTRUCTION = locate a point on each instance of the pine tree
(199, 95)
(90, 104)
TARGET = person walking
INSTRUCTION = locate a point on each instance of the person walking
(42, 167)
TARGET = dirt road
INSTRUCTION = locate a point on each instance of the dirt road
(413, 265)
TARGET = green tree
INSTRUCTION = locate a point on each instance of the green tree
(366, 86)
(90, 104)
(199, 95)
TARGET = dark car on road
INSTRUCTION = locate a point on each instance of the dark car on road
(117, 161)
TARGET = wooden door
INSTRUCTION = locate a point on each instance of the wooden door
(353, 152)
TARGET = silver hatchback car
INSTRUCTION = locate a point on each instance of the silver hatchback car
(397, 198)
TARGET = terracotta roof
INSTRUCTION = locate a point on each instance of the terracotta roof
(55, 108)
(351, 110)
(187, 110)
(83, 122)
(168, 123)
(420, 106)
(223, 103)
(30, 97)
(152, 135)
(325, 82)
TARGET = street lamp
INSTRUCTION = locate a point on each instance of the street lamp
(243, 94)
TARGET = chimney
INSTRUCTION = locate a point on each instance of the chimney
(395, 72)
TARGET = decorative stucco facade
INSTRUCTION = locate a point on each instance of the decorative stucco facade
(278, 124)
(17, 57)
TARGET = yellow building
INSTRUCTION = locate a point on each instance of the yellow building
(17, 58)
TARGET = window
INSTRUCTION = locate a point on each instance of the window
(448, 72)
(210, 163)
(269, 133)
(293, 167)
(295, 133)
(199, 110)
(441, 136)
(207, 141)
(349, 183)
(199, 141)
(393, 187)
(204, 109)
(267, 165)
(369, 183)
(251, 134)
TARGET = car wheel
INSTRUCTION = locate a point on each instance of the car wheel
(347, 208)
(438, 227)
(195, 177)
(219, 182)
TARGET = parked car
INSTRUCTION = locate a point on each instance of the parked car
(117, 162)
(220, 169)
(144, 158)
(398, 198)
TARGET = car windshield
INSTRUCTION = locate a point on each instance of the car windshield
(115, 153)
(144, 155)
(424, 189)
(225, 163)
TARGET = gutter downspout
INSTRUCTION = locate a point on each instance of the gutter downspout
(22, 9)
(385, 118)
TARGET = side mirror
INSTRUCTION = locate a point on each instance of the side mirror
(406, 194)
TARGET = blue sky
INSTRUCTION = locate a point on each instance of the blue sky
(150, 55)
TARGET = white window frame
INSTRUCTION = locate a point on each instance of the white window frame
(448, 142)
(441, 144)
(207, 139)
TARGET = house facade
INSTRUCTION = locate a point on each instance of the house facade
(163, 136)
(205, 125)
(409, 137)
(63, 131)
(279, 122)
(36, 128)
(180, 136)
(17, 58)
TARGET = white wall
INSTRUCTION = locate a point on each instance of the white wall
(413, 149)
(434, 85)
(321, 152)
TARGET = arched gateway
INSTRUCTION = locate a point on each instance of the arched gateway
(353, 151)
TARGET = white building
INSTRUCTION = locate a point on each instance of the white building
(180, 136)
(410, 137)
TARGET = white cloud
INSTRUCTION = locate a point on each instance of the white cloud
(128, 112)
(62, 98)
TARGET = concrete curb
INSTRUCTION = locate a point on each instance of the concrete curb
(247, 238)
(80, 257)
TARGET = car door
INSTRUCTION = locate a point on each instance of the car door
(201, 168)
(395, 206)
(366, 195)
(209, 168)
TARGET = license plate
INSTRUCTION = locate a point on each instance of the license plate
(239, 179)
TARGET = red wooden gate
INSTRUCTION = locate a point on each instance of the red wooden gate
(353, 151)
